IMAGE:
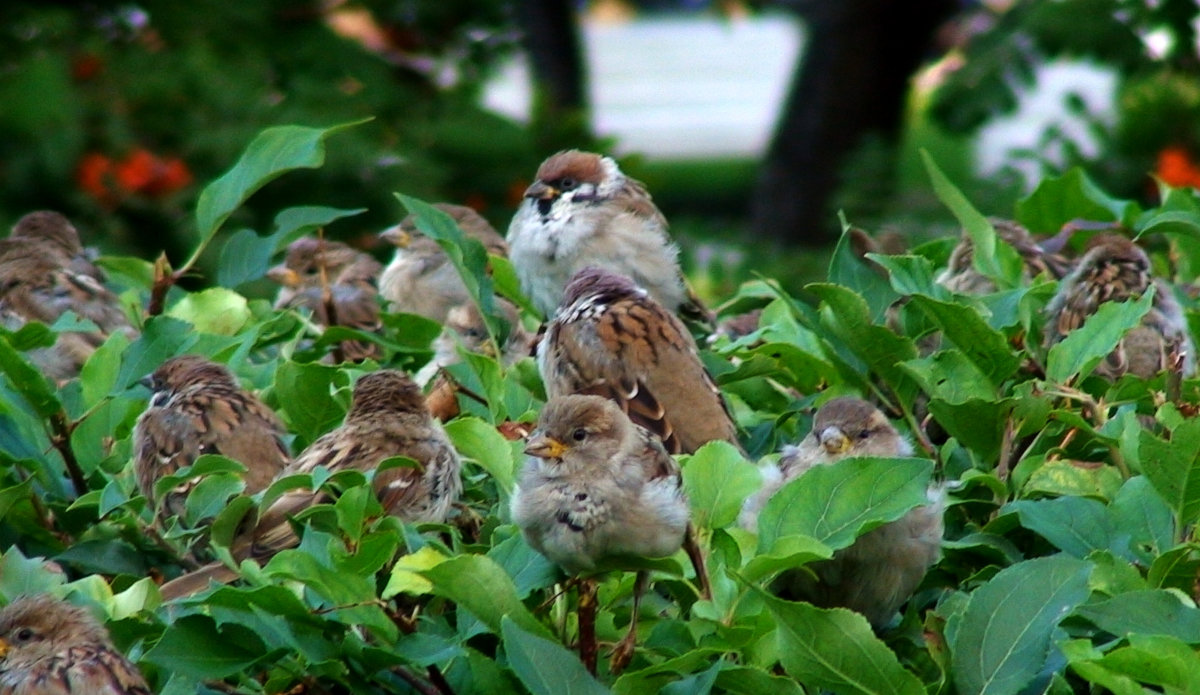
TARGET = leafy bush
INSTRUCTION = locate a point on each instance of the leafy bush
(1070, 561)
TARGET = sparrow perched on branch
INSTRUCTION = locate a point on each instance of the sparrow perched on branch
(50, 647)
(611, 338)
(198, 408)
(388, 417)
(62, 237)
(582, 211)
(961, 276)
(420, 278)
(1114, 269)
(38, 284)
(595, 487)
(883, 567)
(334, 282)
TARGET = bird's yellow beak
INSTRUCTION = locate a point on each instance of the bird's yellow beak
(541, 190)
(284, 275)
(545, 447)
(3, 648)
(396, 236)
(835, 441)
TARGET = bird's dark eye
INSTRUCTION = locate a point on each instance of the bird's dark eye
(579, 435)
(24, 634)
(863, 434)
(567, 183)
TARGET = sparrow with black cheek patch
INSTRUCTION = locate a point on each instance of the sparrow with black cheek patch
(611, 338)
(388, 417)
(50, 647)
(420, 278)
(961, 276)
(582, 211)
(883, 567)
(337, 284)
(1114, 269)
(60, 235)
(596, 487)
(199, 408)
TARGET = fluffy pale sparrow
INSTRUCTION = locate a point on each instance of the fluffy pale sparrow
(61, 235)
(197, 408)
(50, 647)
(582, 211)
(595, 487)
(420, 278)
(961, 276)
(388, 418)
(611, 338)
(883, 567)
(337, 284)
(1114, 269)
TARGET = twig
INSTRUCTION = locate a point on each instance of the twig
(418, 684)
(61, 439)
(694, 552)
(588, 649)
(1005, 449)
(164, 280)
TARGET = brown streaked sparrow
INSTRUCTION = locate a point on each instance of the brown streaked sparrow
(582, 211)
(1114, 269)
(883, 567)
(612, 339)
(388, 417)
(420, 278)
(50, 647)
(57, 230)
(337, 284)
(595, 487)
(961, 276)
(198, 408)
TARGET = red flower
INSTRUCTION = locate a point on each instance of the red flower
(94, 175)
(1176, 168)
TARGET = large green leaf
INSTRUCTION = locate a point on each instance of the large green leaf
(481, 442)
(717, 480)
(1075, 525)
(1157, 660)
(1150, 612)
(970, 333)
(848, 270)
(1072, 196)
(481, 586)
(1084, 347)
(1173, 469)
(274, 152)
(1005, 634)
(195, 646)
(835, 649)
(835, 503)
(246, 255)
(544, 666)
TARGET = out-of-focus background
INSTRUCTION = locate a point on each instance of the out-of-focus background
(753, 124)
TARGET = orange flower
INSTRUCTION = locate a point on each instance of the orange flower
(1176, 169)
(138, 170)
(94, 175)
(171, 175)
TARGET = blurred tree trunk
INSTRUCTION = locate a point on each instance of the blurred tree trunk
(852, 80)
(552, 42)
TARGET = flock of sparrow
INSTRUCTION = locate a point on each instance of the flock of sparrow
(625, 384)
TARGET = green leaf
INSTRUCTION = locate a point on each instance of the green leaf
(1005, 634)
(481, 442)
(274, 152)
(162, 338)
(1150, 612)
(992, 257)
(33, 386)
(835, 649)
(966, 328)
(1156, 660)
(528, 568)
(837, 502)
(1172, 468)
(544, 666)
(246, 256)
(1072, 196)
(469, 258)
(479, 585)
(99, 374)
(717, 480)
(304, 390)
(1084, 347)
(1141, 513)
(848, 270)
(1075, 525)
(196, 647)
(215, 310)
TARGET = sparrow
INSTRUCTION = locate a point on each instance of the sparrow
(337, 284)
(50, 647)
(388, 417)
(611, 338)
(61, 236)
(1114, 269)
(199, 408)
(37, 284)
(883, 567)
(961, 276)
(596, 487)
(582, 211)
(420, 278)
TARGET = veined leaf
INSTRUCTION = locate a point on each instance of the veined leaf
(545, 666)
(717, 480)
(1084, 347)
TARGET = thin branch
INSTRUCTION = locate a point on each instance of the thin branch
(419, 684)
(588, 649)
(60, 437)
